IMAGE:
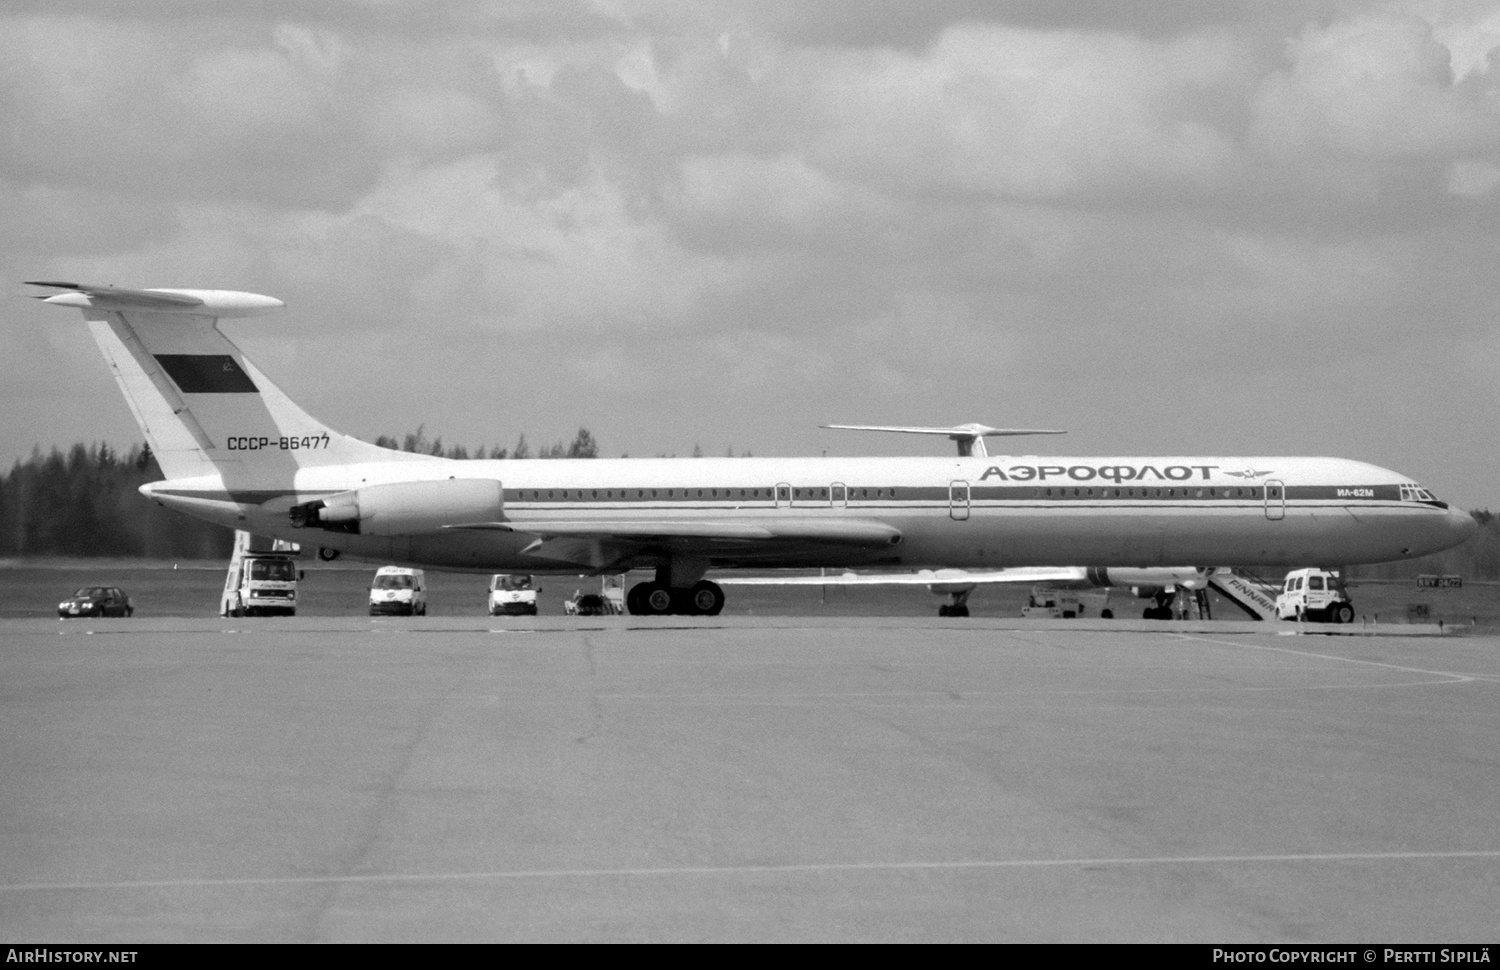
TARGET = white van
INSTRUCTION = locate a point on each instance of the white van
(512, 595)
(1314, 594)
(398, 591)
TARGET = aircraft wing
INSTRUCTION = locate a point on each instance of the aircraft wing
(946, 580)
(600, 542)
(924, 577)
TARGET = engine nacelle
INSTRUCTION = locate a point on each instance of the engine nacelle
(404, 508)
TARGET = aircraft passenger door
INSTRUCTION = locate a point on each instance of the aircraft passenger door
(1275, 500)
(838, 495)
(958, 500)
(783, 495)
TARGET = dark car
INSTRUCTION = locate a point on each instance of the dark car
(592, 604)
(96, 601)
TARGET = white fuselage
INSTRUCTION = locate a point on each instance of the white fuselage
(968, 512)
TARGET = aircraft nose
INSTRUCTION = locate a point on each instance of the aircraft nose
(1462, 524)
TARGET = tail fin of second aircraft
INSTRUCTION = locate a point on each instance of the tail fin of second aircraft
(202, 405)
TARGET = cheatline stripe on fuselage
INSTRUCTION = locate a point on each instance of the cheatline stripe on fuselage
(900, 497)
(1341, 494)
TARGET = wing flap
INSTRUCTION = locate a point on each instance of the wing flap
(840, 531)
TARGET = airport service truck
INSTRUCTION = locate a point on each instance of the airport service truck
(1047, 603)
(262, 578)
(609, 601)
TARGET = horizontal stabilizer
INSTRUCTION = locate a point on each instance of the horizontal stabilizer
(970, 437)
(212, 303)
(955, 431)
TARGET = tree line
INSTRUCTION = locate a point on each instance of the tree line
(583, 445)
(86, 502)
(1479, 558)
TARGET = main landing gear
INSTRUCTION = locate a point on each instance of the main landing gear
(1160, 608)
(959, 606)
(703, 598)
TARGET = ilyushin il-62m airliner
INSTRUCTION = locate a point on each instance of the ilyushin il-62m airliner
(237, 451)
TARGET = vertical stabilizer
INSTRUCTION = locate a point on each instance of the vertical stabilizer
(203, 407)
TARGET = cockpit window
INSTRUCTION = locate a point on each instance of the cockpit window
(1416, 493)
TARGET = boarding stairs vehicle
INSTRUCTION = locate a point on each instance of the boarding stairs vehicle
(1250, 593)
(262, 577)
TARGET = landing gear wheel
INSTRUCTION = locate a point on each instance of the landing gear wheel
(658, 600)
(1106, 614)
(704, 599)
(326, 554)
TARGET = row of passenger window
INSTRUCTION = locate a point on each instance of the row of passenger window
(840, 492)
(764, 494)
(1126, 492)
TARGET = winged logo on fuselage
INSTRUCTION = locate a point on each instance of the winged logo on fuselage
(1249, 473)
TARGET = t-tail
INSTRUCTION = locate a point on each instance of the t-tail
(208, 413)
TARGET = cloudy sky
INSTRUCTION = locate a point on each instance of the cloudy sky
(1189, 226)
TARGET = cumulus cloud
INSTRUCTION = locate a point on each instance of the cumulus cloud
(683, 210)
(1026, 114)
(1375, 88)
